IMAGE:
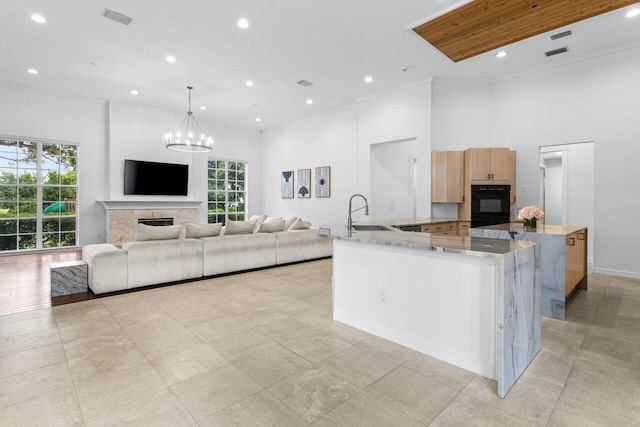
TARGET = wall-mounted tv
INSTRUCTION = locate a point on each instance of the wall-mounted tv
(155, 179)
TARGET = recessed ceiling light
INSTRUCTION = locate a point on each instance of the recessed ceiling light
(258, 119)
(32, 71)
(501, 54)
(368, 79)
(632, 13)
(171, 59)
(38, 18)
(309, 101)
(243, 23)
(249, 83)
(203, 107)
(134, 92)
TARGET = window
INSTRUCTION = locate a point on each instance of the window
(227, 191)
(38, 189)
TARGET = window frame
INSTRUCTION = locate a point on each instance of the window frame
(224, 216)
(40, 185)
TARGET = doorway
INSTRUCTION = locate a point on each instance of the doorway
(567, 185)
(393, 179)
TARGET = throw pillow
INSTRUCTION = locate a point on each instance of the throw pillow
(271, 226)
(259, 219)
(239, 227)
(300, 224)
(288, 222)
(195, 231)
(150, 232)
(273, 218)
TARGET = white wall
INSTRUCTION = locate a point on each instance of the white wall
(553, 187)
(342, 139)
(400, 114)
(34, 115)
(136, 132)
(591, 100)
(326, 140)
(594, 99)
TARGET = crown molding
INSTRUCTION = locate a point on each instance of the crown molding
(567, 61)
(311, 118)
(396, 89)
(52, 93)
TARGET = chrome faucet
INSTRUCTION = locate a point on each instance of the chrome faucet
(365, 207)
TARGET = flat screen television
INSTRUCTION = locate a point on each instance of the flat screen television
(155, 179)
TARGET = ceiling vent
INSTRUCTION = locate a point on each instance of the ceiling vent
(304, 83)
(561, 35)
(556, 51)
(118, 17)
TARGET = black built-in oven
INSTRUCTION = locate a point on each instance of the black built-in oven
(490, 204)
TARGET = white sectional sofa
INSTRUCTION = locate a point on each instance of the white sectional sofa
(153, 262)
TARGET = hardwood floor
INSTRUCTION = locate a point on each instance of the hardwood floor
(25, 280)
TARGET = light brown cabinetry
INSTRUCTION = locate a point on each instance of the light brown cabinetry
(450, 227)
(512, 183)
(488, 164)
(463, 228)
(575, 260)
(447, 176)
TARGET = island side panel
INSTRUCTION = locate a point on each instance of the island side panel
(439, 304)
(518, 310)
(552, 266)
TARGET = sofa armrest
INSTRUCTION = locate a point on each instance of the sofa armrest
(108, 270)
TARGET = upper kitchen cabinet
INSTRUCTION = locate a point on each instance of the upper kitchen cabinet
(447, 176)
(488, 164)
(512, 155)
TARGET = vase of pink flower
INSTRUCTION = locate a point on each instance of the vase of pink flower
(530, 216)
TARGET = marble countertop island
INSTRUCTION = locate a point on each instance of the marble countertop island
(464, 245)
(472, 302)
(554, 262)
(402, 222)
(551, 229)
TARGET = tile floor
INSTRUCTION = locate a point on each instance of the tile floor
(260, 348)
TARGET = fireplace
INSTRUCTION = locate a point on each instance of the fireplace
(158, 222)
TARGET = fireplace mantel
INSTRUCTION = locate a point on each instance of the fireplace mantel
(150, 204)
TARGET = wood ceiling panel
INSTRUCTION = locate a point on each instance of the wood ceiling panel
(482, 26)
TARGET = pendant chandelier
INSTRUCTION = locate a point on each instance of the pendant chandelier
(188, 140)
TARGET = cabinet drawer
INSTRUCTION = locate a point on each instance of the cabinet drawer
(463, 228)
(443, 227)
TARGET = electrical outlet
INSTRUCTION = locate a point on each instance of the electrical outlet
(523, 188)
(383, 296)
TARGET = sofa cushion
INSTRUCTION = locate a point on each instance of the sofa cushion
(149, 232)
(195, 231)
(239, 227)
(238, 252)
(300, 224)
(271, 226)
(301, 245)
(150, 263)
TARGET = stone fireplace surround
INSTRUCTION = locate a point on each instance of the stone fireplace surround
(122, 216)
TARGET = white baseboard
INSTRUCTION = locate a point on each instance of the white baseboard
(430, 349)
(610, 272)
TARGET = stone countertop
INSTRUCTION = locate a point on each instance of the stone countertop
(400, 222)
(560, 230)
(472, 246)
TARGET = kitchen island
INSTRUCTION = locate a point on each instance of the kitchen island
(563, 259)
(471, 302)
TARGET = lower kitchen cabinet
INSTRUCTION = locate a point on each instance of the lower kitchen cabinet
(575, 260)
(450, 227)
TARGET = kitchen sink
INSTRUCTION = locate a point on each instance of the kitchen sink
(369, 227)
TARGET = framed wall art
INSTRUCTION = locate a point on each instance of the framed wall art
(304, 183)
(323, 181)
(286, 185)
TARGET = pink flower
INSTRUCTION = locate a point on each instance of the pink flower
(530, 212)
